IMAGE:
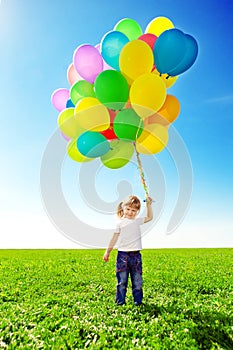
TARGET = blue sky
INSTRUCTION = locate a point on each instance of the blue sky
(37, 42)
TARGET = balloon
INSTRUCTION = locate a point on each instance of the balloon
(147, 94)
(189, 56)
(111, 89)
(127, 125)
(111, 46)
(80, 89)
(88, 62)
(129, 27)
(136, 58)
(167, 113)
(119, 154)
(74, 153)
(92, 144)
(169, 50)
(118, 92)
(109, 133)
(106, 66)
(155, 119)
(153, 139)
(149, 38)
(69, 104)
(158, 25)
(170, 109)
(67, 138)
(92, 115)
(59, 98)
(72, 74)
(67, 123)
(168, 80)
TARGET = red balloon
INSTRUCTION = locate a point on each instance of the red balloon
(109, 133)
(149, 38)
(112, 114)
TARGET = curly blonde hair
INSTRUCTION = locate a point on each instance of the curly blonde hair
(131, 201)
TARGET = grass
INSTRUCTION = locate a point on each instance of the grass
(64, 299)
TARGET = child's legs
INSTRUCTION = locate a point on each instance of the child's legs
(135, 265)
(122, 278)
(122, 274)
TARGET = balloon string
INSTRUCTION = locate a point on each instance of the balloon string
(141, 171)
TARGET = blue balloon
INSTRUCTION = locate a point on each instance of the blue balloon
(111, 46)
(92, 144)
(189, 57)
(169, 50)
(69, 104)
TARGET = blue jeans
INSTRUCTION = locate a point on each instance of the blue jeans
(129, 263)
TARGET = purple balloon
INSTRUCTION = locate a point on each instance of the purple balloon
(88, 62)
(59, 98)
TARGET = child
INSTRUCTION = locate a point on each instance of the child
(129, 260)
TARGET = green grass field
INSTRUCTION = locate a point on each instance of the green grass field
(64, 299)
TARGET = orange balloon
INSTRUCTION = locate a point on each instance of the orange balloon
(170, 109)
(166, 114)
(155, 119)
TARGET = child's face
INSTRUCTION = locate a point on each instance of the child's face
(129, 212)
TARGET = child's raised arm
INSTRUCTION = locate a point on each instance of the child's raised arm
(110, 246)
(149, 214)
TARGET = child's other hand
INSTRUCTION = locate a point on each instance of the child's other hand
(106, 257)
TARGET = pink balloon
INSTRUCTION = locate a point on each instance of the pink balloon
(72, 75)
(106, 66)
(59, 98)
(149, 38)
(88, 62)
(65, 137)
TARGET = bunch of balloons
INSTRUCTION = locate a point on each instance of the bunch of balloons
(117, 101)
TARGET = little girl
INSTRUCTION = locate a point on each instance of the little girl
(129, 260)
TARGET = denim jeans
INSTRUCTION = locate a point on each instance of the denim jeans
(129, 263)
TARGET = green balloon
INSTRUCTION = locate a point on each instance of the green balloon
(129, 27)
(111, 89)
(119, 154)
(128, 125)
(81, 89)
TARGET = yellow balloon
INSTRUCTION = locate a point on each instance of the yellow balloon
(168, 80)
(74, 153)
(92, 115)
(158, 25)
(153, 139)
(147, 94)
(136, 58)
(68, 124)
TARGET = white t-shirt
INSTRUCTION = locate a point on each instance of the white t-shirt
(129, 234)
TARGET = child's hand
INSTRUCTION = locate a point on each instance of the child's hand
(149, 200)
(106, 257)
